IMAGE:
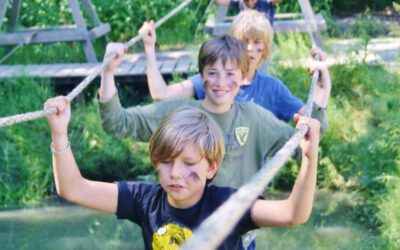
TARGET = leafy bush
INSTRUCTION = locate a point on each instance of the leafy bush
(388, 212)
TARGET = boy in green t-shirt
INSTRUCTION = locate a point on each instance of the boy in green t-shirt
(251, 132)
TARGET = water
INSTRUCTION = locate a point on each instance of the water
(64, 226)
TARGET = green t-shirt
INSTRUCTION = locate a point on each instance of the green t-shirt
(251, 132)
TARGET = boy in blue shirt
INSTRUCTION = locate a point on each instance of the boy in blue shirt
(186, 149)
(267, 7)
(266, 91)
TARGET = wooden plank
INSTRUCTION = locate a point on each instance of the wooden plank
(139, 68)
(281, 26)
(65, 71)
(183, 65)
(44, 36)
(81, 69)
(168, 66)
(124, 68)
(4, 70)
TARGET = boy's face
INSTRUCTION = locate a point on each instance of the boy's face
(255, 49)
(221, 83)
(184, 178)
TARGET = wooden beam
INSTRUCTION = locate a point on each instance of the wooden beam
(44, 36)
(87, 43)
(281, 26)
(99, 31)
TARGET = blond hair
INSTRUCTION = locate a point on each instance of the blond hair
(224, 48)
(252, 24)
(184, 126)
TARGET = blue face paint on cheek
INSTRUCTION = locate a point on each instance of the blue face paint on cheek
(194, 176)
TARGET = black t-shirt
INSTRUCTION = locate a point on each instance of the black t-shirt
(146, 205)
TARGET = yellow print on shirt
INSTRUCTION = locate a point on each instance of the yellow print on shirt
(241, 134)
(170, 237)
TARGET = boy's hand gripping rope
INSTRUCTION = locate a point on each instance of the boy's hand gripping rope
(7, 121)
(213, 230)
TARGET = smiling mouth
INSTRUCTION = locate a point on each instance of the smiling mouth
(219, 92)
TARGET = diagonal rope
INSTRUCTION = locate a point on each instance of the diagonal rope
(26, 40)
(211, 233)
(7, 121)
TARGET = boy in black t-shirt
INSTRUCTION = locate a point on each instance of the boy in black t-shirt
(186, 149)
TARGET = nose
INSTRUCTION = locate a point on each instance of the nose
(250, 46)
(176, 170)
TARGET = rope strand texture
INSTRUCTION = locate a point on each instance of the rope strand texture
(7, 121)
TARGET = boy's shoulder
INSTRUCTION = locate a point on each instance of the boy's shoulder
(251, 109)
(263, 78)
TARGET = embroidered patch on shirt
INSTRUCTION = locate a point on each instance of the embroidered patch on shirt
(241, 134)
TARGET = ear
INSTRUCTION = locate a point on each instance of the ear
(212, 170)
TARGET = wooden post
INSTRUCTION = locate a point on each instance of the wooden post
(309, 16)
(3, 8)
(80, 22)
(16, 6)
(87, 4)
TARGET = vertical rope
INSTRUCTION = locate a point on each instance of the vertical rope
(7, 121)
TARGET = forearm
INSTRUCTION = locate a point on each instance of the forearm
(157, 86)
(302, 195)
(67, 176)
(107, 87)
(321, 96)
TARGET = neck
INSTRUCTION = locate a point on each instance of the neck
(249, 76)
(216, 109)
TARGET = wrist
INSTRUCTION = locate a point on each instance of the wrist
(57, 135)
(320, 107)
(58, 149)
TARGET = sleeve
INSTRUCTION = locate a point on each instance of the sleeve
(138, 122)
(130, 197)
(246, 223)
(320, 116)
(275, 133)
(288, 103)
(198, 85)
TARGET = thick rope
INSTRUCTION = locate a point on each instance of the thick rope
(211, 233)
(7, 121)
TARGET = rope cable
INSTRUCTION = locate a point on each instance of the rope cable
(7, 121)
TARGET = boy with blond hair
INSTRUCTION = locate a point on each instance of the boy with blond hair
(186, 149)
(266, 91)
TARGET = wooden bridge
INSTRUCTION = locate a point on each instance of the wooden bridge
(133, 67)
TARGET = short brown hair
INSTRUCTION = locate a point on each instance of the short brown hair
(252, 24)
(182, 127)
(224, 48)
